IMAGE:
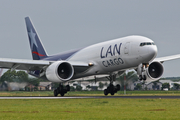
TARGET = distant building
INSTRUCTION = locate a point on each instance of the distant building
(154, 86)
(132, 86)
(45, 86)
(29, 87)
(91, 84)
(171, 83)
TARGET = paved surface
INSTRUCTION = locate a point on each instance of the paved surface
(98, 97)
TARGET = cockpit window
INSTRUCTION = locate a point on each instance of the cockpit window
(147, 43)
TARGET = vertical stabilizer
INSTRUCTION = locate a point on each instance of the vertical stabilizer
(37, 49)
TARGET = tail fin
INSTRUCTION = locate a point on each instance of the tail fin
(37, 49)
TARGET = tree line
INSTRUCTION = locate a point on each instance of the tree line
(19, 77)
(22, 76)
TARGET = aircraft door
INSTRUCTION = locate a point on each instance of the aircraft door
(126, 48)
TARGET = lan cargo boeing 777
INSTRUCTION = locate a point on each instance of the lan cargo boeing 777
(107, 58)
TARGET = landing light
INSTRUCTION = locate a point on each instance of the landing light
(91, 64)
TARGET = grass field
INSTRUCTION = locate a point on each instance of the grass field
(86, 93)
(84, 109)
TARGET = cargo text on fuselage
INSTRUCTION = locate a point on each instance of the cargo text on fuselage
(114, 53)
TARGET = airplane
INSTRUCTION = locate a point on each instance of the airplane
(106, 58)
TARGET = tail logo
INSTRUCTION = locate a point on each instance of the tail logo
(38, 54)
(32, 38)
(33, 42)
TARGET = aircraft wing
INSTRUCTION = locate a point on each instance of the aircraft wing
(31, 65)
(23, 64)
(167, 58)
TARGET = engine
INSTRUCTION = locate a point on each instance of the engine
(152, 73)
(59, 71)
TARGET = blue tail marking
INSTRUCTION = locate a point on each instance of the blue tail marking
(37, 49)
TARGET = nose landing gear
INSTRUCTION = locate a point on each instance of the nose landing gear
(142, 76)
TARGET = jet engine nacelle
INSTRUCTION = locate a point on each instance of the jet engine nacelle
(153, 72)
(59, 71)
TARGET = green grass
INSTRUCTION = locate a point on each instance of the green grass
(87, 93)
(152, 92)
(85, 109)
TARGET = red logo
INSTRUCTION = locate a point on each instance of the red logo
(38, 53)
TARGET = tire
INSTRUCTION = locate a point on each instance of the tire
(140, 77)
(55, 93)
(67, 88)
(144, 77)
(115, 91)
(106, 92)
(112, 93)
(118, 87)
(60, 88)
(62, 94)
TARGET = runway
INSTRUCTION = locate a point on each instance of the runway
(95, 97)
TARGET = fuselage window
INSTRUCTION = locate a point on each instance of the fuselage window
(147, 43)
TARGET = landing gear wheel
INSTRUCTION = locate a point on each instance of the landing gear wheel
(61, 90)
(112, 93)
(144, 77)
(111, 88)
(105, 92)
(118, 87)
(62, 94)
(60, 87)
(55, 93)
(67, 87)
(140, 77)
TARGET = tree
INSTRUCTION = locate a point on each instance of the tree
(165, 85)
(13, 76)
(33, 81)
(138, 86)
(72, 88)
(22, 76)
(78, 88)
(88, 87)
(176, 86)
(9, 76)
(19, 76)
(105, 83)
(132, 76)
(101, 85)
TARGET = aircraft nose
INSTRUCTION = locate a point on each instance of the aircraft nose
(152, 51)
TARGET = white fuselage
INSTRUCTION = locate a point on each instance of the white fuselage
(116, 55)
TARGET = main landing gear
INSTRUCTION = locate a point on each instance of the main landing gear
(61, 90)
(111, 88)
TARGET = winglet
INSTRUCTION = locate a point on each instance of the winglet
(37, 49)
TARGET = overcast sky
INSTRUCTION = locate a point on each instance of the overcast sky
(70, 24)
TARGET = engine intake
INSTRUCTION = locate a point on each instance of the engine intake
(60, 71)
(155, 70)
